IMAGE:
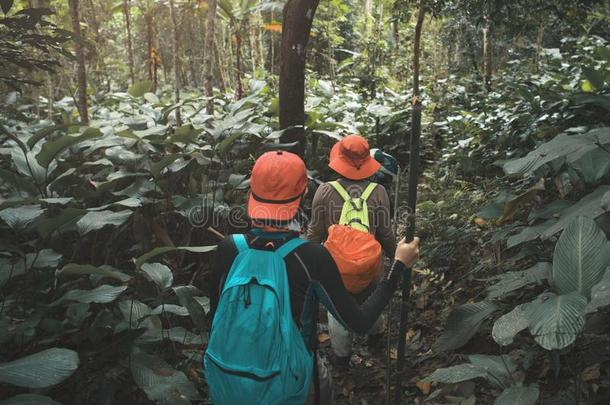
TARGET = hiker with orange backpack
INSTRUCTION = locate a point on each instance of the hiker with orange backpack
(265, 287)
(352, 217)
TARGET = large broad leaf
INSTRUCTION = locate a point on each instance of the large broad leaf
(581, 152)
(101, 295)
(94, 220)
(160, 381)
(508, 325)
(186, 297)
(20, 218)
(51, 149)
(457, 374)
(6, 5)
(499, 368)
(40, 370)
(581, 257)
(87, 269)
(165, 249)
(138, 89)
(29, 399)
(556, 320)
(158, 273)
(600, 293)
(42, 259)
(138, 315)
(463, 323)
(514, 280)
(527, 395)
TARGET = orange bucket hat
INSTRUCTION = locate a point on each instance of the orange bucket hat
(277, 184)
(351, 158)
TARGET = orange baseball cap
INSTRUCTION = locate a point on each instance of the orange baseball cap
(277, 184)
(351, 158)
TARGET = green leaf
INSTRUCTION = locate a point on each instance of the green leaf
(600, 293)
(100, 295)
(66, 217)
(519, 395)
(582, 151)
(556, 320)
(157, 167)
(87, 269)
(40, 370)
(165, 249)
(177, 334)
(457, 374)
(509, 325)
(158, 273)
(29, 399)
(160, 381)
(499, 368)
(462, 324)
(594, 76)
(6, 5)
(51, 149)
(170, 308)
(44, 132)
(581, 257)
(94, 220)
(18, 182)
(138, 89)
(186, 297)
(20, 218)
(138, 315)
(514, 280)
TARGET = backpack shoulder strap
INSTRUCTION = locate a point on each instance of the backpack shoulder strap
(368, 191)
(289, 246)
(240, 242)
(341, 190)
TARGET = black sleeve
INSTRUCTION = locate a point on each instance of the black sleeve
(333, 295)
(221, 263)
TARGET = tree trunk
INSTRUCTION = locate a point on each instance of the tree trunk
(126, 14)
(50, 97)
(209, 45)
(487, 53)
(149, 43)
(296, 26)
(412, 198)
(238, 59)
(539, 40)
(222, 75)
(176, 56)
(81, 101)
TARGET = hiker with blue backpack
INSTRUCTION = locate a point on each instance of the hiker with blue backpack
(265, 289)
(352, 217)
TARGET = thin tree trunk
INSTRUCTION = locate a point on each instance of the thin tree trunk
(149, 42)
(412, 198)
(176, 55)
(296, 26)
(209, 45)
(50, 97)
(238, 60)
(222, 74)
(487, 53)
(81, 68)
(126, 14)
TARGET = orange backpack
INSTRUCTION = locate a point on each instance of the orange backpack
(356, 252)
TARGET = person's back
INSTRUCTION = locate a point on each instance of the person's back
(311, 276)
(351, 160)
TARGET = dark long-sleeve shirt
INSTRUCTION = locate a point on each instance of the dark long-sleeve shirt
(326, 211)
(313, 277)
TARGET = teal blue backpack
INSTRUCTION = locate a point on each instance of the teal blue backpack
(256, 354)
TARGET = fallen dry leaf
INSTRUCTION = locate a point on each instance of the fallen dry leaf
(423, 386)
(590, 373)
(323, 337)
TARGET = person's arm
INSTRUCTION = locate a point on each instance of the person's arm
(317, 229)
(332, 293)
(384, 232)
(221, 263)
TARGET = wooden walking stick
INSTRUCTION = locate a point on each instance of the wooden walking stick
(411, 201)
